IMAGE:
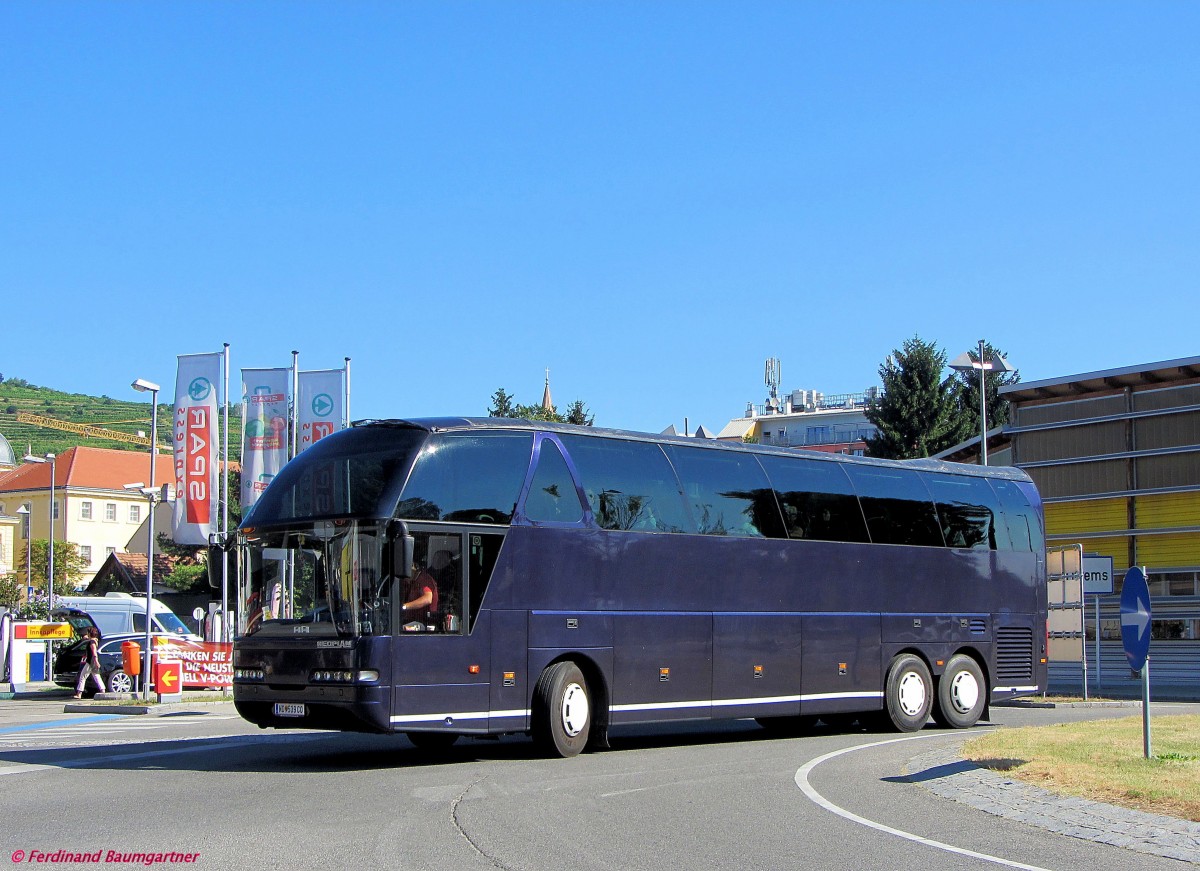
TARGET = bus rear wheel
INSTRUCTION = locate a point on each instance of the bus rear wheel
(961, 693)
(908, 695)
(562, 710)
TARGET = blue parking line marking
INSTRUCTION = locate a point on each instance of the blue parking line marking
(53, 724)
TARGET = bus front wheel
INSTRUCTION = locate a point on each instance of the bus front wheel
(562, 710)
(909, 695)
(961, 694)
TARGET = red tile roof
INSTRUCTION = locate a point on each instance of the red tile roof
(94, 468)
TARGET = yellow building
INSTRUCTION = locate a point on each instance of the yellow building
(1116, 457)
(92, 509)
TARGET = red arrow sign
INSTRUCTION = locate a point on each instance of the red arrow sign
(168, 677)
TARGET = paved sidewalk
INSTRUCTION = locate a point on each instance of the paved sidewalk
(945, 773)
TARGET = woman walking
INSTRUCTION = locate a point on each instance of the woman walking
(89, 666)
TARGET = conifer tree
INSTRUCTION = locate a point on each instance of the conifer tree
(919, 413)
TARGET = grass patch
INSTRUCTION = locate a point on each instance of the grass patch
(1102, 760)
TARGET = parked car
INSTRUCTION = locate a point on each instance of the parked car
(112, 667)
(121, 612)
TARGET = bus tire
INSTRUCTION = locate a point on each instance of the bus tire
(562, 710)
(961, 693)
(909, 693)
(432, 740)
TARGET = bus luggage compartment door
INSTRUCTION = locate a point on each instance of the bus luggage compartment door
(756, 665)
(662, 667)
(842, 665)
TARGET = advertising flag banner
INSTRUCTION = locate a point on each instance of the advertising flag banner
(264, 429)
(320, 405)
(196, 448)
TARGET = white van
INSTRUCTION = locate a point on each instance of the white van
(120, 613)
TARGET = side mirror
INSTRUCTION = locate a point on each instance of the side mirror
(402, 539)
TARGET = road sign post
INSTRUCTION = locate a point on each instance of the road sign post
(1135, 637)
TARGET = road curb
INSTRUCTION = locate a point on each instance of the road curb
(84, 707)
(947, 774)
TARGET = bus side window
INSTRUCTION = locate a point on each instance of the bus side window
(969, 512)
(817, 499)
(484, 549)
(467, 478)
(1023, 525)
(552, 497)
(630, 485)
(729, 493)
(897, 505)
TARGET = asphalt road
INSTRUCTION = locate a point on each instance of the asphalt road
(200, 781)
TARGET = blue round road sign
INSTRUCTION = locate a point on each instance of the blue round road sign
(1135, 618)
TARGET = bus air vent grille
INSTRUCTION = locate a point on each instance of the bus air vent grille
(978, 626)
(1014, 654)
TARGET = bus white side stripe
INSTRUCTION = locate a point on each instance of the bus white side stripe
(658, 706)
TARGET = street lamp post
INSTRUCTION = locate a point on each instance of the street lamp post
(49, 458)
(143, 386)
(964, 363)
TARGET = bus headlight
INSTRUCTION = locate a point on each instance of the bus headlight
(249, 674)
(335, 676)
(368, 676)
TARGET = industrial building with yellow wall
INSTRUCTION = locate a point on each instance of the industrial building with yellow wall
(1116, 456)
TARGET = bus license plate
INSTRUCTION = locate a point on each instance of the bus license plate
(283, 709)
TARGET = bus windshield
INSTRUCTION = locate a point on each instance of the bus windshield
(324, 576)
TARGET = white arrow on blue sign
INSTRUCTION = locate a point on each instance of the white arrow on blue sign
(1135, 618)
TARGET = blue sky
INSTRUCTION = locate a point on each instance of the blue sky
(649, 199)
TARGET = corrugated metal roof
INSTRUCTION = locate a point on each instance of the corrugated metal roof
(1106, 380)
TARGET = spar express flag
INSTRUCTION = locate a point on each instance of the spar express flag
(196, 448)
(264, 429)
(321, 405)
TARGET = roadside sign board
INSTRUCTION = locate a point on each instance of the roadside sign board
(1135, 618)
(1097, 575)
(1064, 600)
(168, 677)
(42, 631)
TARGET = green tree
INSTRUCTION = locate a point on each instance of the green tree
(504, 406)
(11, 590)
(577, 413)
(919, 412)
(997, 407)
(69, 566)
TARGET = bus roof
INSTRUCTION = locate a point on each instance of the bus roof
(453, 424)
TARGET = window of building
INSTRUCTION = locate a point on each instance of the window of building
(135, 513)
(85, 554)
(54, 509)
(110, 511)
(25, 520)
(85, 510)
(109, 551)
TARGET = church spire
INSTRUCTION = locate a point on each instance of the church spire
(547, 404)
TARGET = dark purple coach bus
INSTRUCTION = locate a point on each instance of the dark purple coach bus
(482, 576)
